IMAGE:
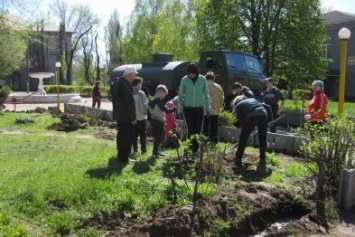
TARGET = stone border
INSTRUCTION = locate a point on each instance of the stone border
(280, 142)
(92, 112)
(275, 141)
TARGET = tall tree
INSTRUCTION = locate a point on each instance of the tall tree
(13, 47)
(267, 29)
(114, 40)
(174, 32)
(78, 19)
(88, 57)
(141, 30)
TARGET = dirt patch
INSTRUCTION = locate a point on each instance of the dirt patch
(247, 209)
(238, 211)
(69, 122)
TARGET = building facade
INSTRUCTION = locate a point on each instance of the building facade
(41, 55)
(334, 21)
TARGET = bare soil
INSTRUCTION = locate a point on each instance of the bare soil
(247, 209)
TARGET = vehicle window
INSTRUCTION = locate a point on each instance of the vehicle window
(214, 61)
(253, 64)
(235, 61)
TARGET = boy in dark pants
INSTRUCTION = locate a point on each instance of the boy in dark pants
(157, 109)
(251, 113)
(140, 101)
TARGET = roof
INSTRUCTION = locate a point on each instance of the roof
(338, 17)
(17, 23)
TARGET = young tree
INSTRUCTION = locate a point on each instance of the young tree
(79, 19)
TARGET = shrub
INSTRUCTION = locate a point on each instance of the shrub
(299, 94)
(226, 118)
(285, 93)
(331, 147)
(62, 89)
(84, 91)
(5, 91)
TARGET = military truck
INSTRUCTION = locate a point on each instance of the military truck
(228, 66)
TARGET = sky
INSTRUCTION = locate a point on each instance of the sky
(104, 8)
(340, 5)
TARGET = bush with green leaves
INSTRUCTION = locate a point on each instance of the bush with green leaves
(4, 93)
(226, 118)
(285, 93)
(300, 95)
(331, 147)
(84, 91)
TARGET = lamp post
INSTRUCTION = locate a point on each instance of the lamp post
(58, 65)
(344, 35)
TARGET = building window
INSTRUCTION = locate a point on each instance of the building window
(326, 51)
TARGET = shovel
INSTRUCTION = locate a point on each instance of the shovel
(269, 125)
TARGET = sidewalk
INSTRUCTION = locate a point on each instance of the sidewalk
(105, 104)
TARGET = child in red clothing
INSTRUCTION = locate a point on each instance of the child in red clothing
(317, 107)
(170, 122)
(96, 95)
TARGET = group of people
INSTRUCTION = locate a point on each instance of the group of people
(252, 113)
(198, 103)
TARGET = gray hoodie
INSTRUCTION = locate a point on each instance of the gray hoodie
(140, 101)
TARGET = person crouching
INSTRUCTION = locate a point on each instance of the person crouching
(157, 109)
(250, 113)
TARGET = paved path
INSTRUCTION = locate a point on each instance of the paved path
(105, 104)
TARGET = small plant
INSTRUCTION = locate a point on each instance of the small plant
(331, 213)
(299, 199)
(226, 118)
(223, 228)
(84, 118)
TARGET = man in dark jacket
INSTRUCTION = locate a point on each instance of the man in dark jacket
(271, 96)
(251, 113)
(238, 89)
(124, 112)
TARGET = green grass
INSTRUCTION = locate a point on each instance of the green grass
(287, 171)
(51, 181)
(55, 180)
(332, 108)
(41, 122)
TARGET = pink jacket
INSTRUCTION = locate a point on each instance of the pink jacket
(170, 121)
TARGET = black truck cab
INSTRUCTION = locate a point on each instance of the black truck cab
(233, 66)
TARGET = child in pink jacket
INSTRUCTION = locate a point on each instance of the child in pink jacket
(170, 122)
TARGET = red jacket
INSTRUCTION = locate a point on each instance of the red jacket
(170, 121)
(317, 107)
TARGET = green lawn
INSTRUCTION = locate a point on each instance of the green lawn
(295, 106)
(52, 181)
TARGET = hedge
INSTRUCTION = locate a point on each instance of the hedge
(84, 91)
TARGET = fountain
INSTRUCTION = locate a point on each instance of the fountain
(41, 76)
(40, 96)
